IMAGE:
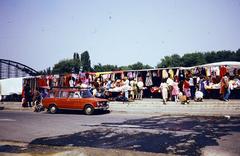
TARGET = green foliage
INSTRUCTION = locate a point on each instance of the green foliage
(86, 63)
(175, 60)
(124, 68)
(76, 56)
(193, 59)
(237, 55)
(198, 58)
(170, 61)
(46, 71)
(67, 66)
(138, 65)
(103, 68)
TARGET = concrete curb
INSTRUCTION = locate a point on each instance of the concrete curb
(155, 106)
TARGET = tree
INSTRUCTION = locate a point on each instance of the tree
(124, 68)
(237, 55)
(193, 59)
(170, 61)
(102, 68)
(76, 63)
(66, 66)
(210, 57)
(86, 63)
(46, 71)
(76, 56)
(138, 65)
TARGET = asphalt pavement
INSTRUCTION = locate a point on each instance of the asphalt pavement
(153, 134)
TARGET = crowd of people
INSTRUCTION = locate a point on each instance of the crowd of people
(171, 84)
(171, 89)
(196, 88)
(119, 90)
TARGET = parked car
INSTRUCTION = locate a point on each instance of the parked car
(73, 99)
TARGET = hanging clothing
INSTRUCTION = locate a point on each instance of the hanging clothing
(154, 74)
(149, 79)
(171, 73)
(113, 77)
(177, 73)
(164, 74)
(231, 71)
(223, 71)
(134, 75)
(203, 71)
(122, 75)
(130, 75)
(197, 71)
(208, 71)
(181, 75)
(215, 71)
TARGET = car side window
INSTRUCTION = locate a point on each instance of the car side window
(63, 94)
(71, 95)
(76, 95)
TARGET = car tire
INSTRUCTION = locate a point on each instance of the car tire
(52, 109)
(88, 109)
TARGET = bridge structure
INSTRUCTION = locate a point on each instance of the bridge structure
(11, 69)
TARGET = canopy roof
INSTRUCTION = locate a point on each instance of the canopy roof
(224, 63)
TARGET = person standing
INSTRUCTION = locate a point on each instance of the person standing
(164, 90)
(140, 89)
(175, 90)
(133, 84)
(170, 87)
(227, 90)
(192, 87)
(27, 94)
(126, 87)
(186, 88)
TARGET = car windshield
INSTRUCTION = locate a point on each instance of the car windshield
(86, 94)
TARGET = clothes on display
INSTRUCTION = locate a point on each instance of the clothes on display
(149, 82)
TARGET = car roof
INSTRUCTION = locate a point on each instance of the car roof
(74, 89)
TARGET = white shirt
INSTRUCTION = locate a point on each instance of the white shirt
(198, 95)
(140, 84)
(169, 82)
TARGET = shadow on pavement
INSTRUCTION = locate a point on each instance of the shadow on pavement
(172, 135)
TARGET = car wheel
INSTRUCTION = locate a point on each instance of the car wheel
(88, 109)
(52, 109)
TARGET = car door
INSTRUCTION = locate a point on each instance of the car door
(73, 100)
(62, 100)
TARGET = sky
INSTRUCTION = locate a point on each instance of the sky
(40, 33)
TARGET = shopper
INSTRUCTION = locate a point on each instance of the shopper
(164, 90)
(175, 90)
(227, 90)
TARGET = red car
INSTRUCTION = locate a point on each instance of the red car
(73, 99)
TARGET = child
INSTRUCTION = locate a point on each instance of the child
(198, 96)
(183, 98)
(175, 90)
(186, 88)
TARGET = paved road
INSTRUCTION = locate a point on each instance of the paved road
(158, 134)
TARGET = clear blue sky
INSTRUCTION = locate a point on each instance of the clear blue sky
(39, 33)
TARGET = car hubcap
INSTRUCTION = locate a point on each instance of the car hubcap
(88, 110)
(53, 109)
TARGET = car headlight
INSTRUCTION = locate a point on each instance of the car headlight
(99, 104)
